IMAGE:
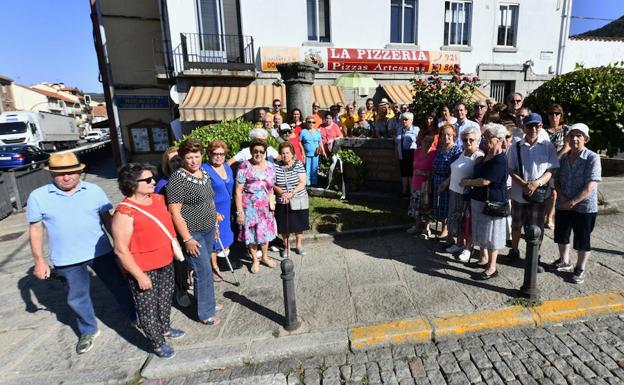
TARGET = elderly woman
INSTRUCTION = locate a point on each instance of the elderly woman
(170, 162)
(462, 168)
(361, 128)
(405, 141)
(489, 184)
(146, 253)
(446, 154)
(312, 142)
(557, 131)
(421, 196)
(291, 210)
(254, 214)
(222, 181)
(190, 198)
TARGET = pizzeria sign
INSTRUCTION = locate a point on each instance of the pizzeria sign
(361, 59)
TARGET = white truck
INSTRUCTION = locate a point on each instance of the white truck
(42, 129)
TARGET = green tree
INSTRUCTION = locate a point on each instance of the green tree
(431, 92)
(592, 96)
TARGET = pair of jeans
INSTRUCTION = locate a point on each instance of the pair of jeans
(203, 285)
(312, 170)
(79, 293)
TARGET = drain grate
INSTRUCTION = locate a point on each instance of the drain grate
(11, 236)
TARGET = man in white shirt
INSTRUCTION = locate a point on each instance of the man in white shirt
(245, 154)
(463, 123)
(539, 160)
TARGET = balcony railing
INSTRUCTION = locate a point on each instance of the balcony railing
(215, 52)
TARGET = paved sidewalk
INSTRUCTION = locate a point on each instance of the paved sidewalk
(341, 283)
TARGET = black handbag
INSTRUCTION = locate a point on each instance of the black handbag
(496, 209)
(542, 193)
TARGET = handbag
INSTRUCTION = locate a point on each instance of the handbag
(300, 202)
(542, 193)
(496, 209)
(175, 245)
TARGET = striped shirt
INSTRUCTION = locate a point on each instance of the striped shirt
(287, 178)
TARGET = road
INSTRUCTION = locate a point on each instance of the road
(590, 352)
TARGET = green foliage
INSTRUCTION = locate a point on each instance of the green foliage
(351, 162)
(233, 132)
(431, 92)
(592, 96)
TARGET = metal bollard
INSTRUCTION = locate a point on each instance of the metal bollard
(290, 303)
(529, 287)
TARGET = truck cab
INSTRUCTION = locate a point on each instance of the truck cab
(20, 127)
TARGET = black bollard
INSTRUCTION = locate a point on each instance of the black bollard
(529, 287)
(290, 303)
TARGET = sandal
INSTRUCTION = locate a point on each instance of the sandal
(213, 321)
(268, 262)
(255, 266)
(174, 333)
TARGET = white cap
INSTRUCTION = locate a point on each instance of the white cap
(579, 127)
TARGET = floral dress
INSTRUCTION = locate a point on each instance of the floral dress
(259, 226)
(441, 171)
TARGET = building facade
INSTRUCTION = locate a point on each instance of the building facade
(197, 61)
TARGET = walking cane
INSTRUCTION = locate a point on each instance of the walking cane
(225, 254)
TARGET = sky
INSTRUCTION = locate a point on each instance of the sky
(51, 40)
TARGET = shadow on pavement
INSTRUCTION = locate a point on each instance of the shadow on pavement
(255, 307)
(50, 295)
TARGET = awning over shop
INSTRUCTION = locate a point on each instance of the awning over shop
(403, 93)
(219, 103)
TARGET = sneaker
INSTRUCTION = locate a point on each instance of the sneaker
(299, 251)
(465, 256)
(560, 265)
(85, 343)
(183, 299)
(453, 249)
(165, 351)
(174, 333)
(412, 230)
(273, 248)
(578, 276)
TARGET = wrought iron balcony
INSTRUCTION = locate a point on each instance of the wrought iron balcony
(215, 52)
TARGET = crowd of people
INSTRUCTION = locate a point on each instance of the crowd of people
(475, 183)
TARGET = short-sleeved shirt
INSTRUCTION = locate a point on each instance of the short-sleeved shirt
(245, 154)
(573, 177)
(462, 168)
(347, 121)
(197, 199)
(422, 163)
(536, 160)
(310, 139)
(558, 137)
(149, 245)
(287, 178)
(494, 170)
(463, 126)
(405, 140)
(330, 133)
(73, 222)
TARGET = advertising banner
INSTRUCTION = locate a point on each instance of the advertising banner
(361, 59)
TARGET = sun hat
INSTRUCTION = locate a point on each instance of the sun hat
(579, 127)
(64, 162)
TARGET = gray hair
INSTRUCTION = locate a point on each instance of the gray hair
(495, 130)
(407, 115)
(470, 131)
(362, 109)
(258, 133)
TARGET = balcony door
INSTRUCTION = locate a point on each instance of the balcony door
(219, 26)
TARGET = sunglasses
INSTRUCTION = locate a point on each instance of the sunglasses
(517, 100)
(309, 122)
(149, 179)
(277, 105)
(261, 152)
(468, 140)
(218, 153)
(482, 106)
(316, 106)
(404, 119)
(554, 113)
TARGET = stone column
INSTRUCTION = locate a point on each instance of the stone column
(298, 78)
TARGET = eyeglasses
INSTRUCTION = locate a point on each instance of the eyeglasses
(468, 140)
(277, 105)
(149, 179)
(404, 119)
(480, 106)
(554, 113)
(517, 100)
(309, 122)
(261, 152)
(218, 153)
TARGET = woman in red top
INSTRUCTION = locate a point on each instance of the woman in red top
(146, 254)
(295, 121)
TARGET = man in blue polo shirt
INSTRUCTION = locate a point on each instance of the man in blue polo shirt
(73, 213)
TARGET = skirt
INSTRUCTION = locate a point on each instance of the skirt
(298, 220)
(406, 164)
(487, 232)
(457, 206)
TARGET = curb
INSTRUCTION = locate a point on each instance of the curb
(421, 329)
(353, 233)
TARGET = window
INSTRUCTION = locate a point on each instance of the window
(318, 20)
(507, 25)
(211, 25)
(457, 22)
(403, 21)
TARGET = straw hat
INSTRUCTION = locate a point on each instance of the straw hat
(64, 162)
